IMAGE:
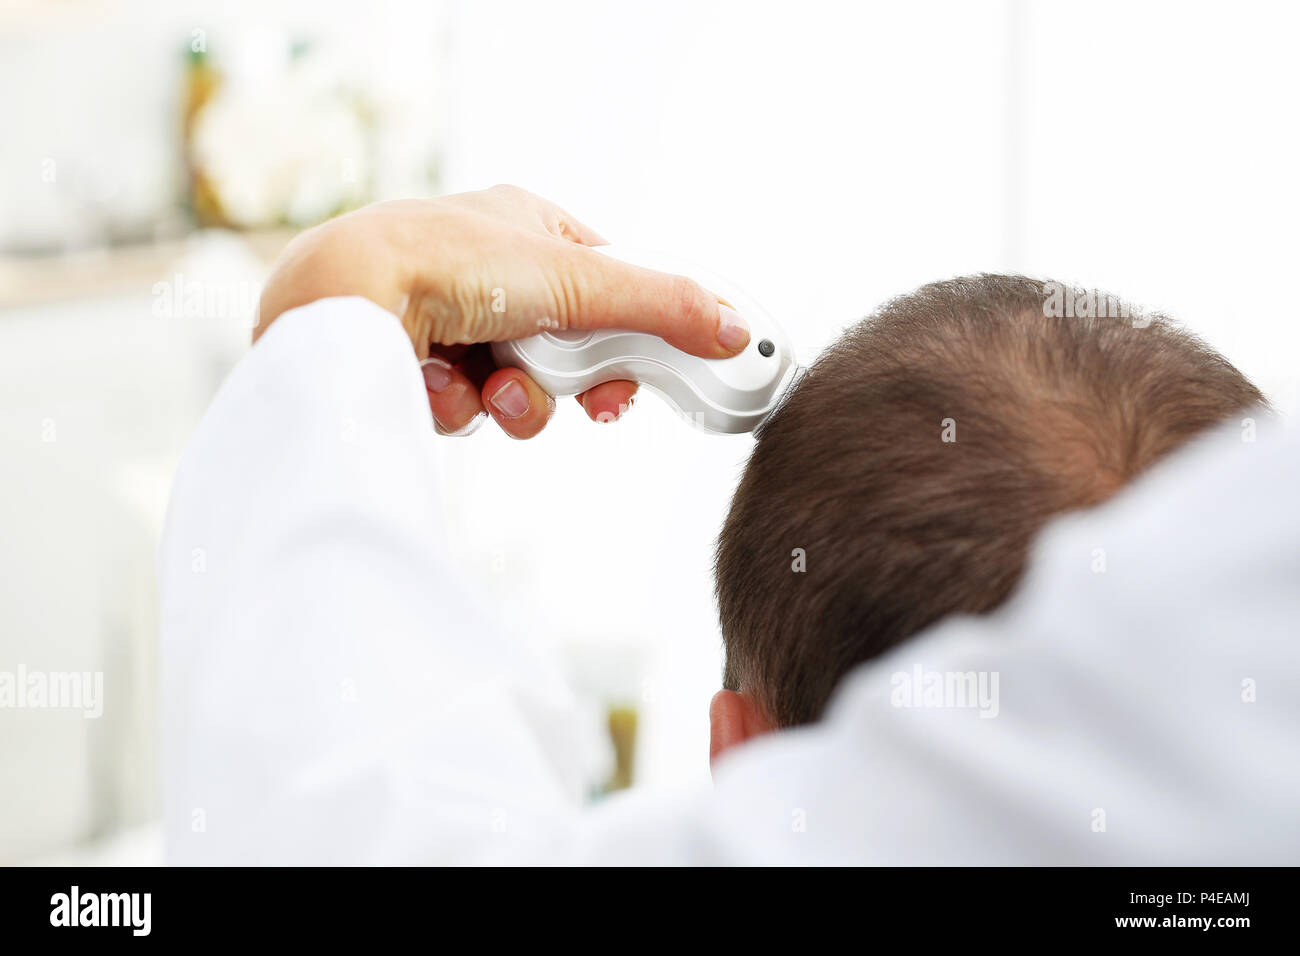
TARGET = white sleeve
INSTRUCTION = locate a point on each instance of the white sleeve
(330, 692)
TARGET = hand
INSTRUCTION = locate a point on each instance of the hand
(487, 266)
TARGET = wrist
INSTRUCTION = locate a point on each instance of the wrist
(329, 261)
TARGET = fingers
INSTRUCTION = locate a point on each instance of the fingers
(554, 219)
(567, 227)
(462, 395)
(571, 228)
(453, 397)
(607, 402)
(559, 223)
(521, 206)
(459, 404)
(600, 292)
(517, 403)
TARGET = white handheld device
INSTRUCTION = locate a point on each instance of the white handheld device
(720, 395)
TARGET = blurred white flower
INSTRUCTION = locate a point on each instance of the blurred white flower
(293, 151)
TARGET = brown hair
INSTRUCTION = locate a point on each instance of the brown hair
(1052, 409)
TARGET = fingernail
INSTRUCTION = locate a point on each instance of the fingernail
(437, 374)
(511, 399)
(733, 333)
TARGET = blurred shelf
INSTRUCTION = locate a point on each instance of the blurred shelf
(113, 270)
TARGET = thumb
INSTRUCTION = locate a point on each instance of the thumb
(608, 294)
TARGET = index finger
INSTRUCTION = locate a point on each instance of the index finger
(601, 292)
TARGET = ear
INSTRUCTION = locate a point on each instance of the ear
(734, 718)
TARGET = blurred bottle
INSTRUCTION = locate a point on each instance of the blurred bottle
(201, 84)
(622, 734)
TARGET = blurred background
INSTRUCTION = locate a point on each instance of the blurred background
(156, 156)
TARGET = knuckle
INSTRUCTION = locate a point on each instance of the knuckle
(689, 300)
(459, 316)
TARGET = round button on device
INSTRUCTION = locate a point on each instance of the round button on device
(766, 348)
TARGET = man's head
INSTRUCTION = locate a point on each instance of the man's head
(906, 474)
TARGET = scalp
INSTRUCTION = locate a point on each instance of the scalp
(901, 528)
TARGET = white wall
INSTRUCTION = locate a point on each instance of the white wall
(1159, 151)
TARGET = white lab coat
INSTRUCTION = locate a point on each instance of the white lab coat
(332, 693)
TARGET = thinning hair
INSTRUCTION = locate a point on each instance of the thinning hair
(914, 463)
